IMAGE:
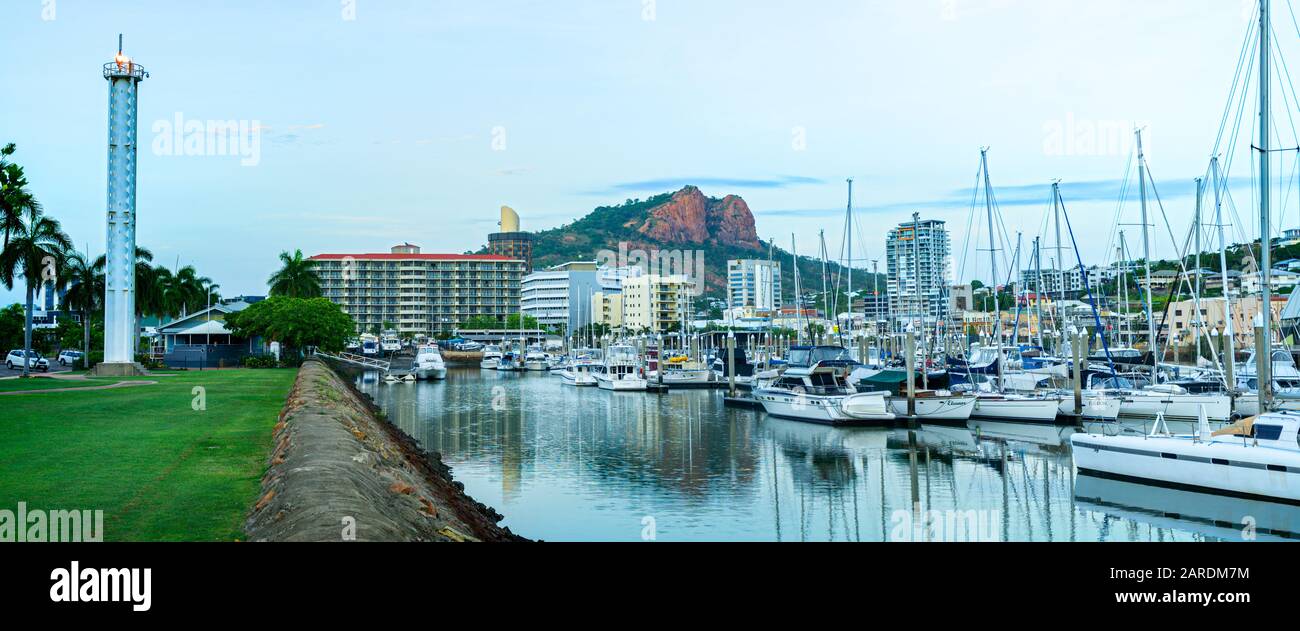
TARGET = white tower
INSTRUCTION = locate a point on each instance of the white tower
(120, 333)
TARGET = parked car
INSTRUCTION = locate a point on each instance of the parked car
(67, 358)
(14, 360)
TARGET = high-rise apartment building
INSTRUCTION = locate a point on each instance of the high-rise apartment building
(917, 253)
(655, 303)
(420, 293)
(754, 284)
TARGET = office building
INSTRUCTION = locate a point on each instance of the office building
(561, 295)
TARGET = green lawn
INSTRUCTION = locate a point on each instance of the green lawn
(14, 385)
(160, 470)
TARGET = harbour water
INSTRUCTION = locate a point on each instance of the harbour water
(581, 464)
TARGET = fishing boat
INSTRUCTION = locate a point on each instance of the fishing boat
(622, 371)
(429, 363)
(491, 358)
(1257, 458)
(369, 345)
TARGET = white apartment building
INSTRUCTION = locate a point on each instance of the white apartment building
(420, 293)
(754, 283)
(561, 295)
(917, 255)
(655, 303)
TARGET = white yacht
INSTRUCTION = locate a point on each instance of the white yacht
(815, 388)
(429, 364)
(622, 371)
(390, 344)
(491, 358)
(1258, 457)
(582, 371)
(535, 360)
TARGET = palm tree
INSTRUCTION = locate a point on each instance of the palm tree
(15, 199)
(183, 292)
(84, 279)
(147, 297)
(297, 279)
(36, 242)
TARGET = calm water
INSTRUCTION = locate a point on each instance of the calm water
(564, 463)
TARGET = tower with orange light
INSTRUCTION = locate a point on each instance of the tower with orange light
(120, 330)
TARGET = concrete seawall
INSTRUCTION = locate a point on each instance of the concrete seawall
(340, 472)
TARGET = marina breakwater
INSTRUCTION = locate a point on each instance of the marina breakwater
(340, 472)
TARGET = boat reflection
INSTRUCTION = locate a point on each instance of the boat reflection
(1215, 517)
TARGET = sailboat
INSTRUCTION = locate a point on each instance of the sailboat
(1258, 457)
(1034, 408)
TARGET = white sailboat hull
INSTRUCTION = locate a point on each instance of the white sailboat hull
(1095, 406)
(1221, 467)
(1183, 407)
(1011, 409)
(490, 363)
(952, 409)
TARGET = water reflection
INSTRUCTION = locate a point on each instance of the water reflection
(565, 463)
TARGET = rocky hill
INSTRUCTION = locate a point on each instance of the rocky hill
(720, 228)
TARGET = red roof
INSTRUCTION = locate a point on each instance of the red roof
(412, 257)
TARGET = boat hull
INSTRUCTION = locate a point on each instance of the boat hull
(1023, 410)
(1095, 406)
(431, 374)
(625, 384)
(813, 409)
(943, 409)
(1183, 407)
(1214, 467)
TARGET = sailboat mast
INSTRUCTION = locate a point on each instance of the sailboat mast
(1038, 291)
(848, 250)
(1265, 221)
(993, 258)
(798, 308)
(1060, 257)
(1153, 344)
(1223, 264)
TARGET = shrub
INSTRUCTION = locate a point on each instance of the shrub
(260, 361)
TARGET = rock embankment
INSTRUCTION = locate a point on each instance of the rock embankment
(340, 472)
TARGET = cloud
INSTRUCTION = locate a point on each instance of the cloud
(1024, 195)
(672, 184)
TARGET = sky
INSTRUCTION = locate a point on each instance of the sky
(375, 122)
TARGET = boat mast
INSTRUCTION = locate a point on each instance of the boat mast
(826, 296)
(1265, 221)
(848, 232)
(798, 308)
(1153, 344)
(993, 263)
(1038, 291)
(1223, 266)
(1125, 269)
(916, 277)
